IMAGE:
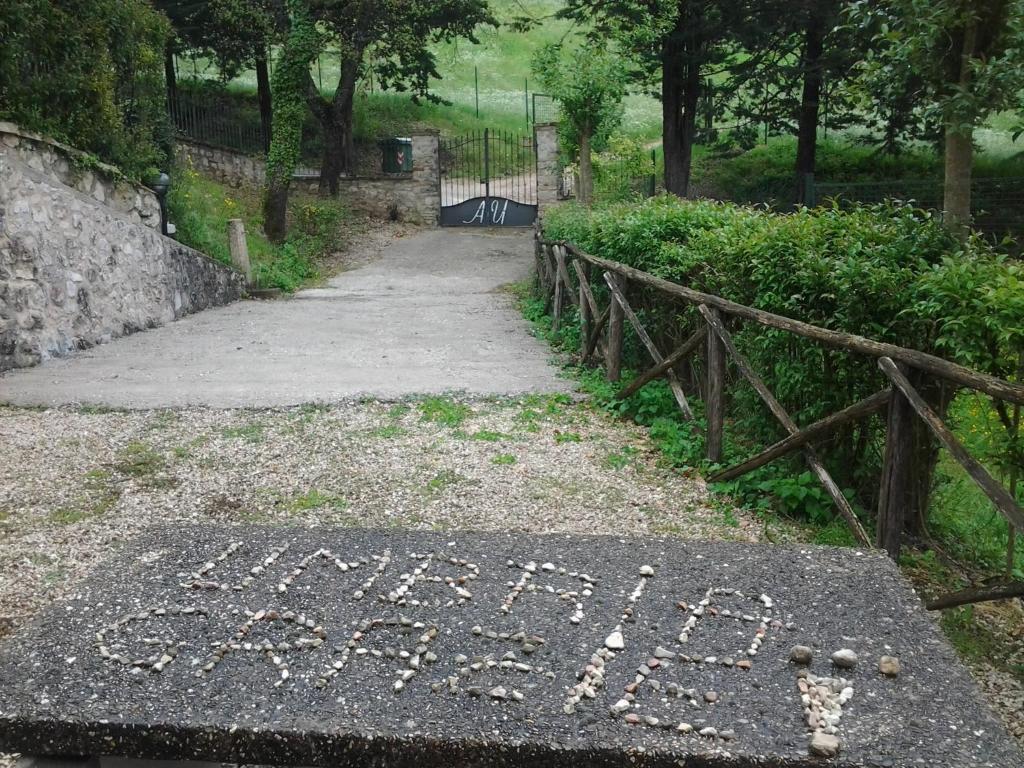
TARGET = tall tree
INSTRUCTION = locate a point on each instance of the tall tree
(675, 46)
(967, 59)
(398, 34)
(801, 49)
(303, 44)
(589, 84)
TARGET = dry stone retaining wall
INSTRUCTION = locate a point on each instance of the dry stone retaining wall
(82, 260)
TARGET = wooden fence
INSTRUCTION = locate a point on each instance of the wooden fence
(564, 274)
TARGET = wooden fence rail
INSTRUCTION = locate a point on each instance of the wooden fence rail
(602, 333)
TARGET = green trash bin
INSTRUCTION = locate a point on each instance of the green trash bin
(397, 155)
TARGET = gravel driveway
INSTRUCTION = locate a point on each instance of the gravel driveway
(74, 485)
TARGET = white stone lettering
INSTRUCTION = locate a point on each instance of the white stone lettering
(481, 212)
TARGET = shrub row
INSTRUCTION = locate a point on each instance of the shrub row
(886, 272)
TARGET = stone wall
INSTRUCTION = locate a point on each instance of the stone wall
(414, 196)
(223, 165)
(63, 166)
(549, 170)
(82, 260)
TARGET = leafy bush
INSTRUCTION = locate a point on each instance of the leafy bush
(887, 272)
(623, 171)
(89, 73)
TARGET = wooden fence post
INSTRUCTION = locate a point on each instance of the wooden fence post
(894, 491)
(616, 316)
(715, 392)
(556, 309)
(239, 249)
(586, 316)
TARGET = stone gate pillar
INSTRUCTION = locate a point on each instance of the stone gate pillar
(426, 173)
(548, 168)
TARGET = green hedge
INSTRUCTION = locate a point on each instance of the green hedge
(890, 273)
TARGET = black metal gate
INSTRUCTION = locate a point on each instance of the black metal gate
(488, 179)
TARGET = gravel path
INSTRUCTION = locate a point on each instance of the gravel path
(75, 485)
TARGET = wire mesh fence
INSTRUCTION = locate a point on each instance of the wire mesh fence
(997, 204)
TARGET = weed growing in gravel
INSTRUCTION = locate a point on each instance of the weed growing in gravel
(530, 419)
(54, 577)
(488, 436)
(139, 460)
(442, 480)
(568, 437)
(620, 459)
(503, 459)
(99, 410)
(315, 499)
(389, 431)
(250, 433)
(398, 410)
(162, 420)
(144, 465)
(444, 410)
(88, 506)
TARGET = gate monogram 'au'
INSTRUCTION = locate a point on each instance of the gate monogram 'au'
(488, 179)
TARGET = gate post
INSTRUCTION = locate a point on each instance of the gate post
(426, 173)
(545, 137)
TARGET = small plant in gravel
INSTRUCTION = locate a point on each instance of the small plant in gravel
(389, 431)
(504, 459)
(620, 459)
(442, 480)
(162, 420)
(488, 436)
(139, 460)
(530, 419)
(250, 433)
(444, 410)
(398, 410)
(568, 437)
(315, 499)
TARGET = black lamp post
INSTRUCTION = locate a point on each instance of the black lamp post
(160, 187)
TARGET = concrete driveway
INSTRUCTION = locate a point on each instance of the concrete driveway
(428, 316)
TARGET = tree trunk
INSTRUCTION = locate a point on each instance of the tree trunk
(959, 149)
(263, 94)
(672, 128)
(275, 209)
(680, 93)
(957, 198)
(691, 97)
(339, 154)
(170, 76)
(807, 130)
(586, 168)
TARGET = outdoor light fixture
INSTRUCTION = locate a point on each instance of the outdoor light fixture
(160, 187)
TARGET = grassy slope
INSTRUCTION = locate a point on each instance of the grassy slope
(200, 209)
